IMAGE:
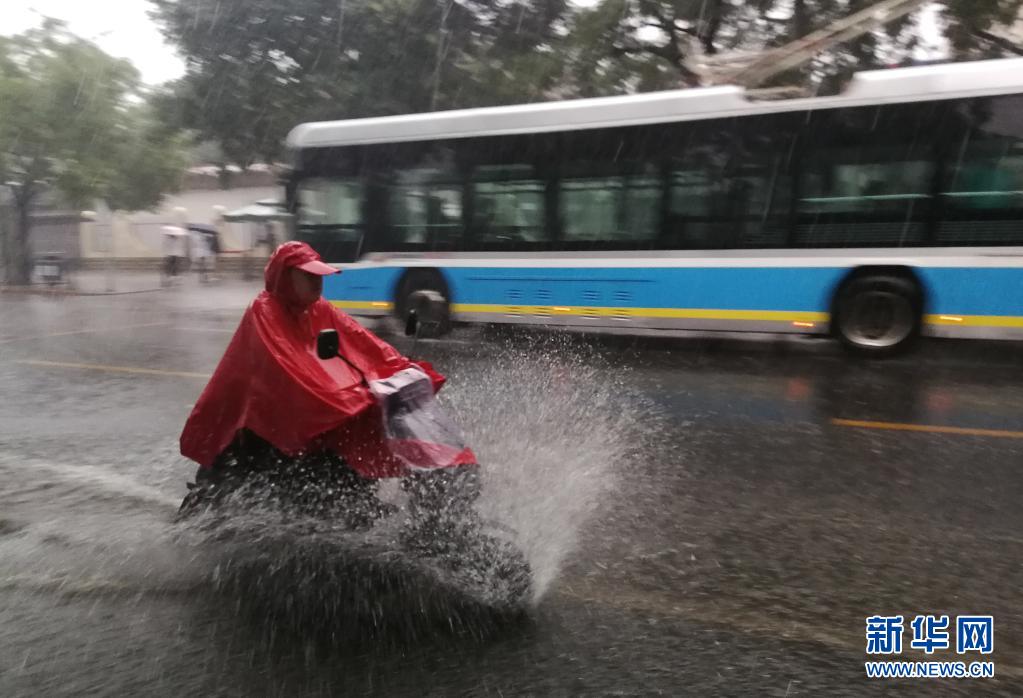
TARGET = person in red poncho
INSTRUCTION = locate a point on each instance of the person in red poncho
(302, 425)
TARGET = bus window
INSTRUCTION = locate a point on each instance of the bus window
(329, 216)
(694, 205)
(729, 185)
(508, 206)
(611, 209)
(863, 187)
(330, 202)
(987, 183)
(852, 198)
(982, 193)
(610, 189)
(867, 177)
(425, 209)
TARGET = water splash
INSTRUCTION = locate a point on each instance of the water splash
(555, 425)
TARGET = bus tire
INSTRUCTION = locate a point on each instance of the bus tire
(878, 315)
(412, 283)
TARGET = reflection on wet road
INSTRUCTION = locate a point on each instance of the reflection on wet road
(736, 510)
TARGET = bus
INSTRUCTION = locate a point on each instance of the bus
(887, 212)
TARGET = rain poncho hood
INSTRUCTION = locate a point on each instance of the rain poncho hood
(271, 382)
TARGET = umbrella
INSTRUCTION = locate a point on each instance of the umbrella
(259, 212)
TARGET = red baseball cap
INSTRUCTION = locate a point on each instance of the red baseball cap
(318, 267)
(299, 255)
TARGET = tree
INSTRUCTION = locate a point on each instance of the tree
(662, 41)
(147, 163)
(257, 68)
(68, 122)
(970, 24)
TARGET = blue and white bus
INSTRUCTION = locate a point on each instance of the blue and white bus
(892, 210)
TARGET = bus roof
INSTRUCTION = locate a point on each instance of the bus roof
(916, 84)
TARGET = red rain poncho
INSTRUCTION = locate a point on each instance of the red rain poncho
(271, 382)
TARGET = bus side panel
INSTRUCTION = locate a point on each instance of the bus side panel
(974, 302)
(363, 290)
(769, 298)
(790, 289)
(962, 301)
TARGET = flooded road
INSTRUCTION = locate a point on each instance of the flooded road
(706, 517)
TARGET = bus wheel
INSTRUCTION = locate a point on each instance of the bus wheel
(878, 315)
(415, 282)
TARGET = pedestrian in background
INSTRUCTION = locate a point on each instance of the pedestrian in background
(175, 251)
(203, 244)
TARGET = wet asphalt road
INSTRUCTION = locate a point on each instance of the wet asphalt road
(711, 517)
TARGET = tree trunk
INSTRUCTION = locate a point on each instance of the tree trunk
(709, 31)
(18, 258)
(801, 19)
(6, 231)
(224, 176)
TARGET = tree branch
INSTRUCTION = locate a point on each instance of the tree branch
(999, 41)
(652, 49)
(683, 29)
(708, 33)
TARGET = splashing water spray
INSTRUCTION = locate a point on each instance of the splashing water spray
(555, 429)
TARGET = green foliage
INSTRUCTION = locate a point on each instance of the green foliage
(147, 163)
(658, 41)
(256, 68)
(969, 24)
(71, 120)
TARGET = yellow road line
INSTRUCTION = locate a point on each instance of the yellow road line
(211, 330)
(111, 369)
(98, 330)
(960, 431)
